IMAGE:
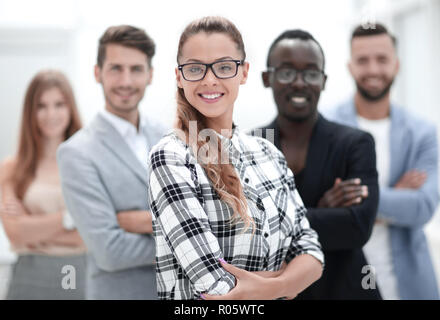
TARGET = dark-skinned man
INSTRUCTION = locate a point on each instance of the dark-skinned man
(334, 165)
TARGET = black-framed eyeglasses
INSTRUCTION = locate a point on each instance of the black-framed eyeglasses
(223, 69)
(286, 75)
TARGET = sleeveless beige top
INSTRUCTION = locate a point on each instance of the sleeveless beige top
(45, 197)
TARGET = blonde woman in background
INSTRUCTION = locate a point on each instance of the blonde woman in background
(32, 209)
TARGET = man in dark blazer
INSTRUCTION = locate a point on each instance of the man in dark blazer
(334, 167)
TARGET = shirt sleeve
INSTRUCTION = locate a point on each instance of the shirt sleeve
(347, 228)
(304, 238)
(413, 208)
(92, 210)
(177, 211)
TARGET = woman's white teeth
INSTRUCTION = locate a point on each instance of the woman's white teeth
(211, 96)
(299, 99)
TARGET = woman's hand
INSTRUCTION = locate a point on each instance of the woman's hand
(12, 207)
(249, 286)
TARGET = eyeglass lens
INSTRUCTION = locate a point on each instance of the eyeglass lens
(286, 75)
(221, 69)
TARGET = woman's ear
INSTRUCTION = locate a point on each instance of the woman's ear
(178, 78)
(245, 72)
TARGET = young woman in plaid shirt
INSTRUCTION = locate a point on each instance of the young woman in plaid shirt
(227, 218)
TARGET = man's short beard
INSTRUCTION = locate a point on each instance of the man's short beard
(373, 98)
(118, 109)
(123, 110)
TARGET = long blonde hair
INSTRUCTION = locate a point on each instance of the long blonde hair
(30, 142)
(222, 176)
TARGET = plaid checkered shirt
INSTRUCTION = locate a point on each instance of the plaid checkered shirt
(192, 225)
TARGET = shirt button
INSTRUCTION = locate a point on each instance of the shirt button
(246, 180)
(266, 234)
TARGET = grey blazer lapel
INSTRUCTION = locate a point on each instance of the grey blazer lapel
(349, 114)
(400, 141)
(117, 145)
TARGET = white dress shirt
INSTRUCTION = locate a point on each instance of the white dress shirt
(378, 248)
(135, 138)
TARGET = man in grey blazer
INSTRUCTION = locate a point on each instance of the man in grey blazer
(104, 172)
(407, 163)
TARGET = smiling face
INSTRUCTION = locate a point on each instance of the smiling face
(214, 98)
(298, 100)
(124, 76)
(53, 114)
(373, 65)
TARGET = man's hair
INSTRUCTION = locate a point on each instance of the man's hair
(127, 36)
(295, 34)
(372, 30)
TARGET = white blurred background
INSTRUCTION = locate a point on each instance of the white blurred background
(64, 35)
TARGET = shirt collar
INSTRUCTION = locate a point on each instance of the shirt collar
(234, 137)
(124, 127)
(232, 144)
